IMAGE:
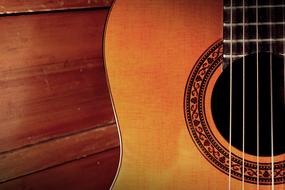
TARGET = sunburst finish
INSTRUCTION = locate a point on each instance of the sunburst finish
(150, 48)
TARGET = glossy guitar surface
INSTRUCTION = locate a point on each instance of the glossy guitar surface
(152, 49)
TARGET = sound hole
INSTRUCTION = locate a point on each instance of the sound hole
(221, 99)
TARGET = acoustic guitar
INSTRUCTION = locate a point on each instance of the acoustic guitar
(198, 91)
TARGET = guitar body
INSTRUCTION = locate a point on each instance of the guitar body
(150, 49)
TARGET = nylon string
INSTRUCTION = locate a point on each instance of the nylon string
(257, 96)
(283, 184)
(231, 83)
(243, 91)
(271, 104)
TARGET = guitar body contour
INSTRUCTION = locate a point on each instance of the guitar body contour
(150, 49)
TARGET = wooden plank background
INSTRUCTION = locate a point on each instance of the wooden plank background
(70, 176)
(23, 6)
(57, 124)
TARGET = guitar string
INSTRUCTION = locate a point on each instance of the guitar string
(283, 15)
(257, 101)
(271, 101)
(243, 92)
(231, 72)
(257, 96)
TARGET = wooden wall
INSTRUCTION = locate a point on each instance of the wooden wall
(56, 119)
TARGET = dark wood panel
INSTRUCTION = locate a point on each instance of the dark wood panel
(44, 155)
(20, 6)
(52, 79)
(94, 172)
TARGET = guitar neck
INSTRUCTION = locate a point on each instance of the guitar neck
(251, 26)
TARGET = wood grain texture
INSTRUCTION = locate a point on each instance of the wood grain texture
(48, 154)
(152, 47)
(52, 79)
(20, 6)
(149, 55)
(56, 117)
(90, 173)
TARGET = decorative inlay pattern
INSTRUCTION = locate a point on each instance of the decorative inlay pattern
(201, 133)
